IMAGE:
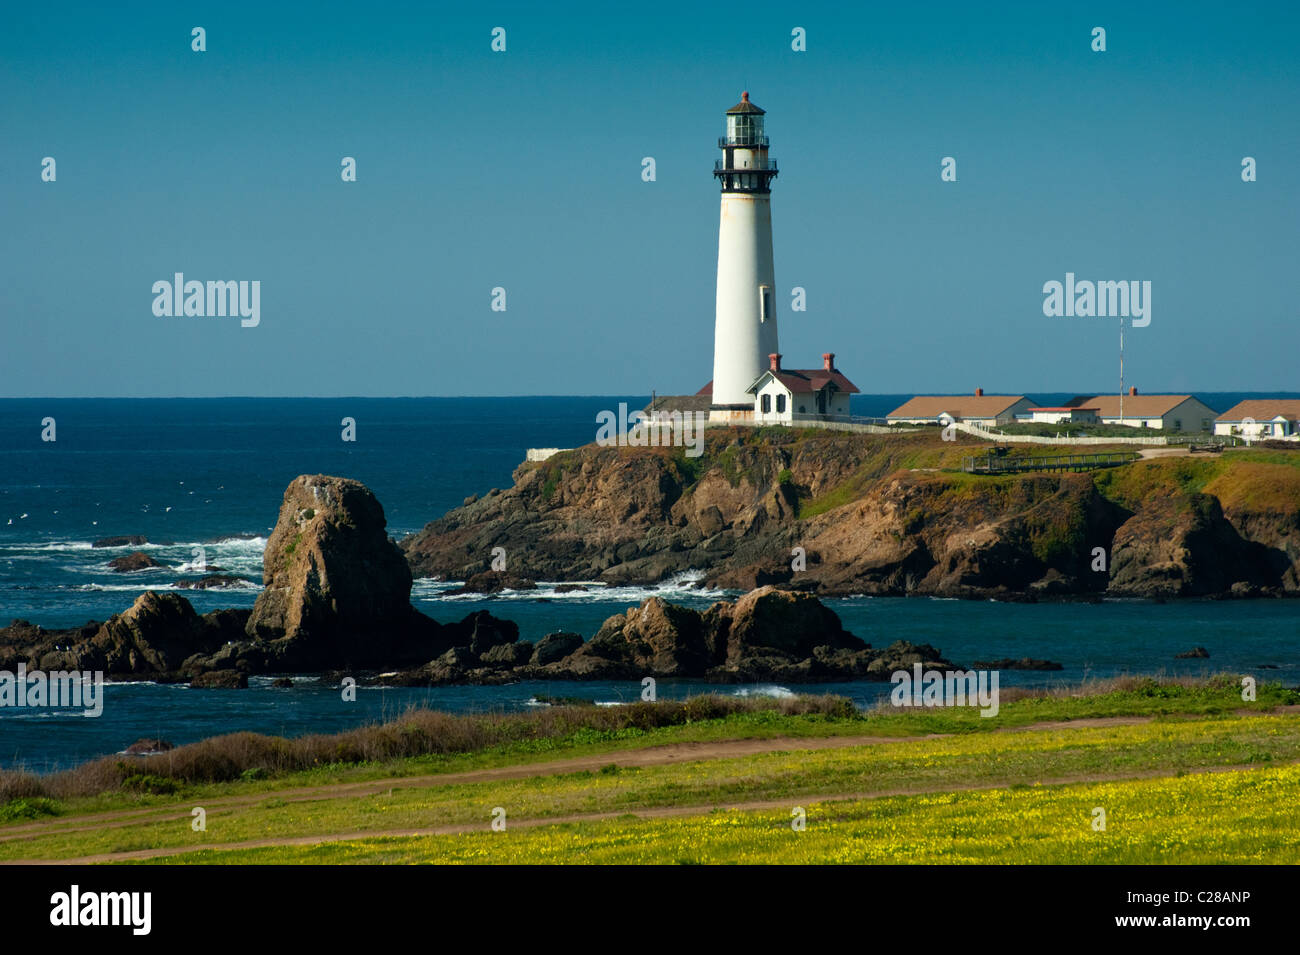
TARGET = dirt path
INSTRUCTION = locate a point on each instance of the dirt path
(1165, 452)
(649, 813)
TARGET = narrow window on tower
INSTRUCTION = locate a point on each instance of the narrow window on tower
(764, 303)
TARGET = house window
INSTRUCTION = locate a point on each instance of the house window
(1205, 424)
(1178, 424)
(780, 404)
(764, 303)
(766, 403)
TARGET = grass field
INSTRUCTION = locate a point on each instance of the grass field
(1183, 773)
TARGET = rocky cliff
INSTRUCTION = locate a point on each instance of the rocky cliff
(838, 513)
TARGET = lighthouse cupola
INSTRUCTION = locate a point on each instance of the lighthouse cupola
(745, 165)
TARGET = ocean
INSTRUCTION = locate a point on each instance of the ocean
(203, 479)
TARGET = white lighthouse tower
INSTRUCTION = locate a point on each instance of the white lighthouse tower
(745, 324)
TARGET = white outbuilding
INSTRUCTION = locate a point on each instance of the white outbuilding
(1261, 418)
(783, 395)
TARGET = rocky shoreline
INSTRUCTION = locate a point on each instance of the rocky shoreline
(336, 600)
(783, 515)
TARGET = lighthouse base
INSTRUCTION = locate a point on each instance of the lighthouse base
(731, 414)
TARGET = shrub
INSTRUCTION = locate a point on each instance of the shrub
(32, 808)
(154, 785)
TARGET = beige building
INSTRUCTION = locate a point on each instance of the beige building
(1161, 412)
(1261, 417)
(1063, 415)
(985, 410)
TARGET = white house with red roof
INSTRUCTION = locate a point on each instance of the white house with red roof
(783, 394)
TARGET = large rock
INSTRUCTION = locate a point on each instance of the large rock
(767, 634)
(657, 637)
(337, 589)
(556, 646)
(791, 624)
(155, 635)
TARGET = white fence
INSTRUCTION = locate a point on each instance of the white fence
(831, 422)
(1150, 439)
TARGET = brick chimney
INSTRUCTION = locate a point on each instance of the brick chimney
(979, 392)
(774, 361)
(828, 360)
(1132, 389)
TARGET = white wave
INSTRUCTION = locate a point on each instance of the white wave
(777, 692)
(140, 587)
(47, 546)
(682, 585)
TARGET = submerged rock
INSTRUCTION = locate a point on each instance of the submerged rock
(147, 747)
(212, 582)
(131, 540)
(137, 561)
(1024, 663)
(220, 680)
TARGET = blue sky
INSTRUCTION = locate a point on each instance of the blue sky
(523, 170)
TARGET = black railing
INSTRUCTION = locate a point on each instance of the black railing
(989, 464)
(743, 142)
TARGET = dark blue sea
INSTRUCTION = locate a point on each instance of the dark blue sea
(209, 474)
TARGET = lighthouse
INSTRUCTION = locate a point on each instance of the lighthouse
(744, 333)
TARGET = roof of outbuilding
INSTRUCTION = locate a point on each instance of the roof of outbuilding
(807, 380)
(1263, 409)
(1135, 406)
(959, 406)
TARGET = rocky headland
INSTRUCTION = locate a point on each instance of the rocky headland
(836, 513)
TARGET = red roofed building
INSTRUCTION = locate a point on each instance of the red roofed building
(782, 393)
